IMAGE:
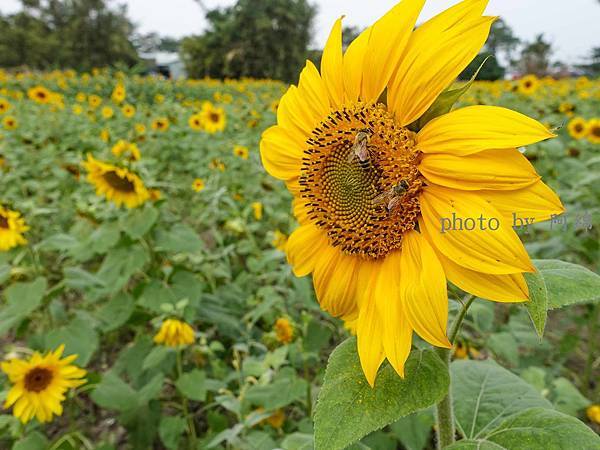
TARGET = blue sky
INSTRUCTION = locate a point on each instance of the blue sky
(573, 26)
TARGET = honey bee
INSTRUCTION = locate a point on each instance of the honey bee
(360, 148)
(392, 196)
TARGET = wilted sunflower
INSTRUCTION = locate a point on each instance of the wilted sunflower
(370, 194)
(117, 184)
(174, 333)
(593, 134)
(40, 384)
(578, 128)
(12, 227)
(213, 118)
(39, 94)
(528, 84)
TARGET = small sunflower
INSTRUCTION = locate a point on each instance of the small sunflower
(528, 84)
(4, 105)
(39, 94)
(284, 331)
(140, 128)
(77, 110)
(241, 151)
(174, 333)
(370, 192)
(40, 383)
(105, 135)
(94, 101)
(117, 184)
(122, 146)
(578, 128)
(279, 240)
(80, 97)
(159, 98)
(12, 227)
(566, 108)
(198, 185)
(10, 123)
(593, 413)
(593, 134)
(119, 93)
(107, 112)
(195, 122)
(257, 209)
(213, 118)
(160, 124)
(128, 111)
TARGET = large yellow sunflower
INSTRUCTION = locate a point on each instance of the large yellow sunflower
(116, 183)
(39, 384)
(12, 227)
(371, 196)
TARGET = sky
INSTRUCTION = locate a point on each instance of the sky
(572, 26)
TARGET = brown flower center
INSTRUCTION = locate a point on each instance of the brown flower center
(38, 379)
(360, 180)
(3, 221)
(214, 117)
(119, 183)
(595, 131)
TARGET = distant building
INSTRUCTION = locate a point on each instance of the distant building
(166, 64)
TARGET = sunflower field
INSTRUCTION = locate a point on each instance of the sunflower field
(146, 301)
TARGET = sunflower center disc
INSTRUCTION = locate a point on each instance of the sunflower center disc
(3, 222)
(364, 199)
(38, 379)
(118, 183)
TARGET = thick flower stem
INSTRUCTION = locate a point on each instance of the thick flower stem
(444, 413)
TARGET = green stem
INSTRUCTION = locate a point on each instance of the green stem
(444, 409)
(185, 405)
(589, 367)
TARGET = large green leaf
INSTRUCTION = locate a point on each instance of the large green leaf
(535, 429)
(349, 409)
(191, 384)
(78, 337)
(567, 283)
(485, 394)
(170, 430)
(21, 299)
(537, 306)
(139, 221)
(116, 312)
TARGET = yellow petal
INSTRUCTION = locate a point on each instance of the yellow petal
(331, 65)
(387, 42)
(499, 288)
(312, 94)
(423, 289)
(369, 336)
(433, 60)
(476, 128)
(303, 247)
(396, 329)
(281, 155)
(505, 169)
(459, 13)
(536, 202)
(293, 116)
(471, 232)
(353, 65)
(335, 281)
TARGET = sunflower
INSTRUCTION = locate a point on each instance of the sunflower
(593, 134)
(284, 331)
(279, 240)
(371, 194)
(140, 128)
(94, 101)
(123, 146)
(107, 112)
(128, 111)
(119, 93)
(528, 84)
(160, 124)
(80, 97)
(241, 151)
(116, 183)
(213, 118)
(12, 227)
(39, 94)
(593, 413)
(195, 122)
(198, 185)
(174, 333)
(257, 210)
(39, 384)
(578, 128)
(10, 123)
(4, 105)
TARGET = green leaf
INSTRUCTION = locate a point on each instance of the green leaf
(414, 431)
(567, 283)
(151, 390)
(298, 441)
(349, 409)
(116, 312)
(33, 441)
(445, 101)
(191, 385)
(120, 264)
(180, 239)
(139, 221)
(113, 393)
(170, 431)
(535, 429)
(22, 299)
(285, 389)
(155, 357)
(505, 347)
(78, 337)
(567, 397)
(485, 394)
(537, 306)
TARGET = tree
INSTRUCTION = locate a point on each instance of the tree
(266, 39)
(592, 68)
(502, 41)
(78, 34)
(535, 57)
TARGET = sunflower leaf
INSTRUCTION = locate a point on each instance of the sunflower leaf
(21, 300)
(349, 409)
(537, 306)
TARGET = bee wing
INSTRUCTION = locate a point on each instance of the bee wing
(351, 155)
(381, 198)
(363, 151)
(393, 203)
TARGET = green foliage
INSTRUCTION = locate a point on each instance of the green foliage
(348, 408)
(21, 299)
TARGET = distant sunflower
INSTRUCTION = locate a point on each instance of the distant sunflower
(284, 330)
(4, 105)
(12, 227)
(174, 333)
(117, 184)
(528, 84)
(593, 134)
(578, 128)
(198, 185)
(128, 111)
(107, 112)
(119, 93)
(257, 210)
(160, 124)
(125, 147)
(195, 122)
(94, 100)
(241, 151)
(39, 94)
(370, 193)
(40, 383)
(10, 123)
(213, 118)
